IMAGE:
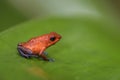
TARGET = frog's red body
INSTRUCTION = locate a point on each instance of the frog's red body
(37, 45)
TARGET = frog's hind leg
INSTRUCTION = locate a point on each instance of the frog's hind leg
(22, 52)
(25, 52)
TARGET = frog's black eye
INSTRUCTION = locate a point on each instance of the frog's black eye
(52, 38)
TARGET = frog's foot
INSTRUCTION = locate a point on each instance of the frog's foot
(51, 60)
(25, 52)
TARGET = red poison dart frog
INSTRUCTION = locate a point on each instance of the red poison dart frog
(36, 46)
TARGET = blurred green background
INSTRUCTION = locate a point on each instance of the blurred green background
(90, 44)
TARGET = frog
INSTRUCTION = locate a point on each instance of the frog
(36, 46)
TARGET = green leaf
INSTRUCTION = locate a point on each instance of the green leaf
(9, 16)
(88, 50)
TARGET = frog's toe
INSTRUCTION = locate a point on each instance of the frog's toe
(51, 60)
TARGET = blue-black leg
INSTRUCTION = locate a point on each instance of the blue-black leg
(22, 53)
(25, 52)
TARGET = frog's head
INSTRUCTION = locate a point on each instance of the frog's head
(53, 38)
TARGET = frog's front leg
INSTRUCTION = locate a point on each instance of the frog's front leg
(25, 52)
(42, 54)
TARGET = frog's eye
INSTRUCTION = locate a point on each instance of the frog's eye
(52, 38)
